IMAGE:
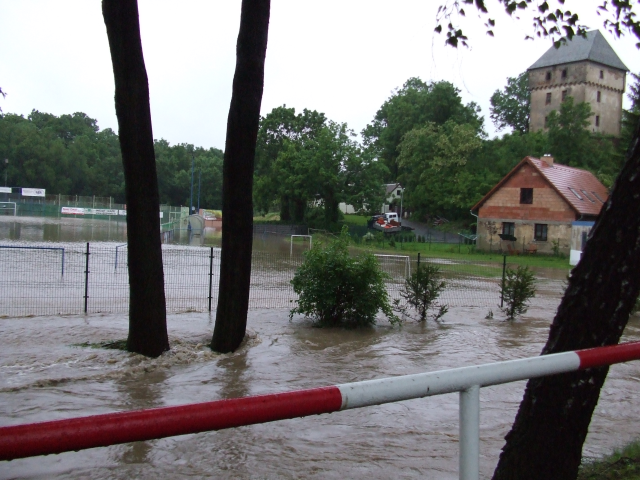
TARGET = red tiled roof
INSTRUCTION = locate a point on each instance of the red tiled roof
(564, 180)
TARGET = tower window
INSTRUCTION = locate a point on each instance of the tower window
(601, 73)
(548, 76)
(597, 120)
(548, 100)
(564, 95)
(598, 96)
(564, 73)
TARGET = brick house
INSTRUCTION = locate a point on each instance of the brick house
(538, 204)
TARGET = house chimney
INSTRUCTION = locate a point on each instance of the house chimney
(548, 158)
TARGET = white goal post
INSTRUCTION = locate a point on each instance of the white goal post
(304, 236)
(401, 260)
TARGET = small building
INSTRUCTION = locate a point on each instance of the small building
(537, 207)
(393, 200)
(588, 70)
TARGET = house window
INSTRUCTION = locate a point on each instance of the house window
(597, 120)
(548, 76)
(596, 195)
(564, 94)
(509, 228)
(540, 232)
(548, 100)
(576, 194)
(526, 195)
(399, 193)
(564, 73)
(598, 96)
(546, 121)
(601, 73)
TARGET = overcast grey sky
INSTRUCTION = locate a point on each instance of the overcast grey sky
(343, 58)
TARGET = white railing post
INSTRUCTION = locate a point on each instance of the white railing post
(470, 433)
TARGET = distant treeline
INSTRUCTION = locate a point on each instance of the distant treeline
(422, 136)
(70, 155)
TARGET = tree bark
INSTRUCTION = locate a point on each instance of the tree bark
(546, 439)
(237, 177)
(147, 309)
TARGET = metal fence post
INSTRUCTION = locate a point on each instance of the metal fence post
(86, 279)
(418, 261)
(470, 433)
(210, 276)
(504, 269)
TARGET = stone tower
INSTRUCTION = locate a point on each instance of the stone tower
(586, 69)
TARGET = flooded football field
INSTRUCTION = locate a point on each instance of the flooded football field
(46, 373)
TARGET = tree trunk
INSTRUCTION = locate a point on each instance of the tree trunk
(237, 177)
(147, 309)
(285, 214)
(299, 208)
(546, 439)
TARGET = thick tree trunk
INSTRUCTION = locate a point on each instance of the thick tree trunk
(237, 176)
(147, 310)
(285, 213)
(549, 431)
(299, 208)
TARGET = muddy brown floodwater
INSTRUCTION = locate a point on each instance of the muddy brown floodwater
(43, 376)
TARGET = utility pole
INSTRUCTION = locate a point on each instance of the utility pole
(199, 178)
(191, 198)
(6, 170)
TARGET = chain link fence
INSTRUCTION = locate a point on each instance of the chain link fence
(65, 279)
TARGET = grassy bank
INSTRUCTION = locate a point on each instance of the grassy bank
(623, 464)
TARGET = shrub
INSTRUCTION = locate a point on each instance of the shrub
(518, 287)
(336, 289)
(421, 291)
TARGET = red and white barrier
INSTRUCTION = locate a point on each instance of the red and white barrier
(74, 434)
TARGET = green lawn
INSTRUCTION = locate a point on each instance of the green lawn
(622, 464)
(466, 252)
(359, 220)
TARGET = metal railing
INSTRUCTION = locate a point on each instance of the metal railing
(32, 284)
(20, 441)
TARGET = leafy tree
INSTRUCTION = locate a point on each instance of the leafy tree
(316, 161)
(569, 139)
(237, 176)
(571, 143)
(510, 108)
(421, 291)
(336, 289)
(280, 130)
(411, 106)
(433, 159)
(147, 309)
(174, 174)
(517, 288)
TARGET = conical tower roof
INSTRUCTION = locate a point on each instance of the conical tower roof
(594, 48)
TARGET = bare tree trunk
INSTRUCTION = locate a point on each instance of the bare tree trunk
(546, 439)
(237, 176)
(147, 309)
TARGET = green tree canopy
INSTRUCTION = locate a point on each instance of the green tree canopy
(434, 159)
(308, 160)
(510, 107)
(411, 106)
